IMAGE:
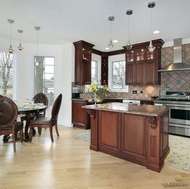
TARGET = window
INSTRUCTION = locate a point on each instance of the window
(6, 74)
(94, 71)
(44, 77)
(116, 73)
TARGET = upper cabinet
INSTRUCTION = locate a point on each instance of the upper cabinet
(142, 66)
(83, 53)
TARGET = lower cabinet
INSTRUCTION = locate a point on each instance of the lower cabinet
(80, 117)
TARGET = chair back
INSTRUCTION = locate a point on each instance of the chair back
(8, 111)
(56, 108)
(41, 98)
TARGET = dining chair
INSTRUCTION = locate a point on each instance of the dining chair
(41, 98)
(38, 98)
(47, 122)
(8, 117)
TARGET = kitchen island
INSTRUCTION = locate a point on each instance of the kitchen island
(137, 133)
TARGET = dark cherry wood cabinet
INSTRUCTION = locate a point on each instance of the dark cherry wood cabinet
(80, 118)
(104, 70)
(142, 66)
(139, 138)
(83, 53)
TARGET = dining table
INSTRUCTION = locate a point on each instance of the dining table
(30, 111)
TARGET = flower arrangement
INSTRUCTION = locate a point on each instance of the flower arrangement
(100, 90)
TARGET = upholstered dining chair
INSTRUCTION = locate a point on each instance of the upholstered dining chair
(38, 98)
(8, 123)
(41, 98)
(47, 122)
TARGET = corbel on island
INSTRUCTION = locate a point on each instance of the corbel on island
(137, 133)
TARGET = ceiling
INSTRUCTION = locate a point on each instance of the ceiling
(63, 21)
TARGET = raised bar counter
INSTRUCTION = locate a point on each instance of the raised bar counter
(137, 133)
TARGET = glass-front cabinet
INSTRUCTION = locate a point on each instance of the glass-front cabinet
(142, 65)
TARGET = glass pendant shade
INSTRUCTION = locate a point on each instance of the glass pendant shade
(10, 50)
(151, 47)
(110, 45)
(129, 46)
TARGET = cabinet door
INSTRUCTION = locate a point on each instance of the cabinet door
(140, 73)
(80, 117)
(129, 79)
(150, 73)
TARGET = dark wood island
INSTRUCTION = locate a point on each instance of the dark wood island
(137, 133)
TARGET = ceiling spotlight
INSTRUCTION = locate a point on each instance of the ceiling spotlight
(156, 32)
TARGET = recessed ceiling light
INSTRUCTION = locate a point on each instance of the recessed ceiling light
(107, 48)
(115, 41)
(156, 32)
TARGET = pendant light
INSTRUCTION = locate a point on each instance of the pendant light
(151, 5)
(10, 47)
(129, 12)
(20, 45)
(111, 42)
(37, 28)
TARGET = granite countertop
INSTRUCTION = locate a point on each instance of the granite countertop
(147, 110)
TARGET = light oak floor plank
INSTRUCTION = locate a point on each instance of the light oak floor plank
(68, 163)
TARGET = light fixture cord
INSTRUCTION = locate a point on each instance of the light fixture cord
(20, 37)
(37, 44)
(11, 34)
(128, 26)
(151, 20)
(110, 30)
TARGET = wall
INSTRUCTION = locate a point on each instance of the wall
(24, 72)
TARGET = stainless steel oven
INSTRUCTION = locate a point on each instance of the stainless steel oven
(179, 120)
(178, 104)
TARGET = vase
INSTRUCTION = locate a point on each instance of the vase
(95, 100)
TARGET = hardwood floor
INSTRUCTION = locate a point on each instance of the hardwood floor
(70, 164)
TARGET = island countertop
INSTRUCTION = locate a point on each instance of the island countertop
(138, 109)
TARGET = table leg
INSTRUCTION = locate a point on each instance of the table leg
(28, 119)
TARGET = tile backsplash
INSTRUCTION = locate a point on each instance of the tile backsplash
(178, 80)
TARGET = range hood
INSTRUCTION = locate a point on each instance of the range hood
(178, 65)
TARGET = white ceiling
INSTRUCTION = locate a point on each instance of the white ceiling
(64, 21)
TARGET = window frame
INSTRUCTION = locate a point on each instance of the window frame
(111, 59)
(49, 94)
(96, 70)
